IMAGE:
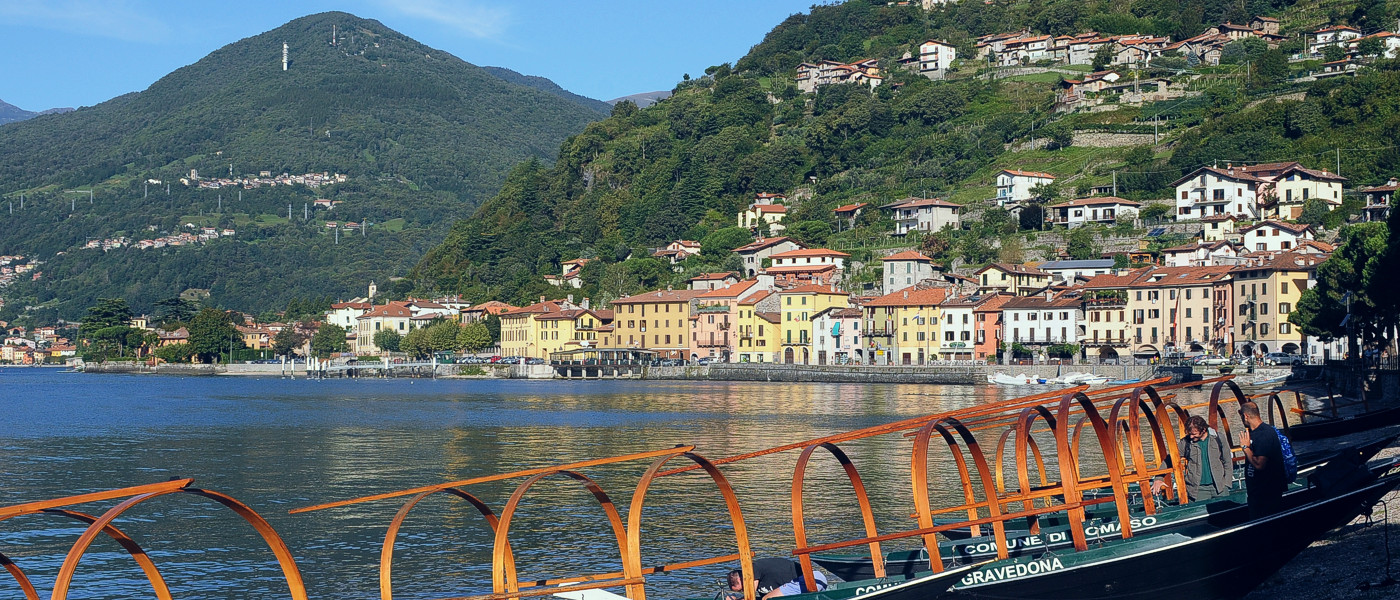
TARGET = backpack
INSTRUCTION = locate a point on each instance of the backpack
(1290, 461)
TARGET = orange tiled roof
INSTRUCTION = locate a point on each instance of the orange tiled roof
(907, 255)
(1027, 173)
(916, 297)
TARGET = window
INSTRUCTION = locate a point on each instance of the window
(1284, 308)
(1285, 328)
(1188, 294)
(1263, 308)
(1263, 329)
(1283, 289)
(1218, 194)
(1188, 313)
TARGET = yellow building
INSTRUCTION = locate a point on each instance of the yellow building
(658, 321)
(1267, 289)
(569, 329)
(1178, 309)
(394, 316)
(759, 326)
(1020, 280)
(796, 306)
(772, 214)
(522, 333)
(903, 327)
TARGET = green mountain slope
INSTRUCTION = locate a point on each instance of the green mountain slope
(686, 166)
(423, 136)
(545, 85)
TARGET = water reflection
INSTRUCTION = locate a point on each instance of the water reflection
(279, 444)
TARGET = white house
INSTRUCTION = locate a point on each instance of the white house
(1015, 186)
(1339, 35)
(1042, 319)
(1081, 211)
(1200, 254)
(904, 270)
(344, 314)
(1378, 200)
(812, 76)
(772, 214)
(1067, 270)
(836, 336)
(1294, 184)
(935, 58)
(678, 251)
(1273, 236)
(924, 214)
(1211, 191)
(754, 253)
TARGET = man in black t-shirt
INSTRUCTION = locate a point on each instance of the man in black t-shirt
(1263, 472)
(776, 577)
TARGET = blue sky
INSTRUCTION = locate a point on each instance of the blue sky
(82, 52)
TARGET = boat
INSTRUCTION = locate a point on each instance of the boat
(1054, 534)
(1326, 427)
(1079, 379)
(1225, 563)
(1000, 378)
(1123, 381)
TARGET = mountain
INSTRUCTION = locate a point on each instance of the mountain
(643, 99)
(10, 113)
(422, 136)
(545, 85)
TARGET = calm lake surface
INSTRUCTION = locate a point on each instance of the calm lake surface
(278, 444)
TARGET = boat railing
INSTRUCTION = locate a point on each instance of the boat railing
(1128, 454)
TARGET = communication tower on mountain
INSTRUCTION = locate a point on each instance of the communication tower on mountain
(284, 56)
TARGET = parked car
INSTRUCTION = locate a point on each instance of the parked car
(1280, 358)
(534, 361)
(1214, 361)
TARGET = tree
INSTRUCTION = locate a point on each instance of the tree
(175, 309)
(387, 340)
(175, 353)
(212, 333)
(1120, 261)
(1103, 57)
(1342, 294)
(723, 241)
(108, 312)
(329, 338)
(1012, 250)
(1272, 67)
(809, 233)
(442, 336)
(1370, 46)
(997, 221)
(416, 343)
(975, 250)
(474, 337)
(287, 340)
(1060, 134)
(1333, 53)
(1314, 212)
(1082, 244)
(1154, 211)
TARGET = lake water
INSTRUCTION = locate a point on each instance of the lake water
(278, 444)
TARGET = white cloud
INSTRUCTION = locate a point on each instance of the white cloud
(117, 19)
(468, 16)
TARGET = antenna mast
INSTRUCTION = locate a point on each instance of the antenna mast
(284, 56)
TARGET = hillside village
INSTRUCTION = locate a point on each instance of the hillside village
(1036, 258)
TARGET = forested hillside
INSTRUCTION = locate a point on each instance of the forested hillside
(683, 169)
(423, 136)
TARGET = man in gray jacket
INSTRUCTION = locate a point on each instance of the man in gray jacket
(1209, 469)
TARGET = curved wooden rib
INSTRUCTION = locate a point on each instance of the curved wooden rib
(1274, 401)
(1069, 469)
(799, 527)
(632, 568)
(386, 554)
(919, 477)
(503, 576)
(1215, 414)
(137, 553)
(1140, 473)
(23, 580)
(1001, 453)
(274, 542)
(1023, 429)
